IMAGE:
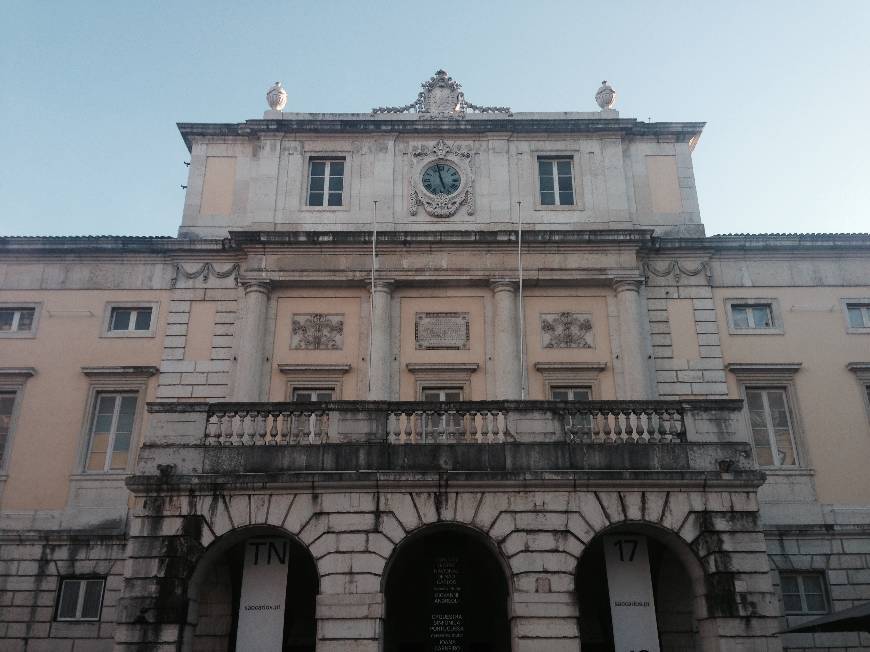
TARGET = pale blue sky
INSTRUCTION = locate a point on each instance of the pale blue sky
(90, 92)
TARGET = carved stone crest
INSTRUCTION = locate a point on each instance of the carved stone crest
(317, 331)
(441, 97)
(441, 205)
(566, 330)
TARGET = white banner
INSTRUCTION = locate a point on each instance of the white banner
(632, 609)
(264, 587)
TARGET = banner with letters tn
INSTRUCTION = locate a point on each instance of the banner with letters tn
(264, 587)
(632, 609)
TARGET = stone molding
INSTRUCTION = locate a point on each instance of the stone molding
(320, 369)
(16, 373)
(772, 371)
(129, 372)
(252, 286)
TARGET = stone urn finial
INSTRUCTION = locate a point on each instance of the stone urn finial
(605, 96)
(276, 96)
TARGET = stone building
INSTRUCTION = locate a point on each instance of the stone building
(435, 377)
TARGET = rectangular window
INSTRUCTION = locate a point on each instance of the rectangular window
(80, 598)
(326, 182)
(7, 403)
(446, 422)
(130, 320)
(804, 593)
(751, 316)
(859, 315)
(16, 320)
(581, 421)
(313, 393)
(111, 432)
(771, 423)
(556, 181)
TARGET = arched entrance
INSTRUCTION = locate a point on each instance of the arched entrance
(253, 582)
(674, 578)
(446, 591)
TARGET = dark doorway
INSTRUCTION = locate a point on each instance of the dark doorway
(672, 592)
(221, 592)
(446, 592)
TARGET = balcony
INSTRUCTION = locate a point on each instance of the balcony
(288, 442)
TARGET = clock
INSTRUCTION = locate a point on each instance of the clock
(441, 179)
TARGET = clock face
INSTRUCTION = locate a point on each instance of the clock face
(441, 179)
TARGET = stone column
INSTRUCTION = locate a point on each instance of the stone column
(634, 359)
(507, 355)
(251, 350)
(380, 362)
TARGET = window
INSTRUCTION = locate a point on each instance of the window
(804, 593)
(753, 316)
(451, 422)
(581, 421)
(80, 598)
(7, 403)
(570, 393)
(313, 393)
(857, 315)
(111, 431)
(556, 181)
(130, 319)
(862, 373)
(17, 320)
(771, 424)
(326, 182)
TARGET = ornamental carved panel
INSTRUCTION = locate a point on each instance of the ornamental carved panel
(317, 331)
(566, 330)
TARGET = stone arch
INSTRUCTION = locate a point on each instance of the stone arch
(213, 578)
(449, 574)
(679, 586)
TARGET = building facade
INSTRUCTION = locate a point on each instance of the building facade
(435, 377)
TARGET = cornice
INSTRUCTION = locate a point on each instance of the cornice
(360, 123)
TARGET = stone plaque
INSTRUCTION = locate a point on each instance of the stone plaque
(441, 330)
(632, 609)
(566, 330)
(264, 589)
(317, 331)
(446, 626)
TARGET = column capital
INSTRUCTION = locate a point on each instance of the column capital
(503, 285)
(382, 285)
(256, 286)
(627, 285)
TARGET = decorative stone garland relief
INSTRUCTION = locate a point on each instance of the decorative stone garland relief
(441, 330)
(317, 331)
(566, 330)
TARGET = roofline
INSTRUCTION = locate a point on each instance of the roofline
(237, 240)
(359, 123)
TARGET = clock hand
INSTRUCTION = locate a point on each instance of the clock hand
(443, 185)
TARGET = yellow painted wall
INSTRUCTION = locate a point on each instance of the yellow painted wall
(831, 410)
(470, 301)
(663, 184)
(48, 436)
(539, 301)
(218, 187)
(355, 346)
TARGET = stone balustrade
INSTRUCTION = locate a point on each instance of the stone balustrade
(480, 422)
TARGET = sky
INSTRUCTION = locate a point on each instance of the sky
(90, 92)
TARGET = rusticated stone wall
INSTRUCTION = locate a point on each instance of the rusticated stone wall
(540, 534)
